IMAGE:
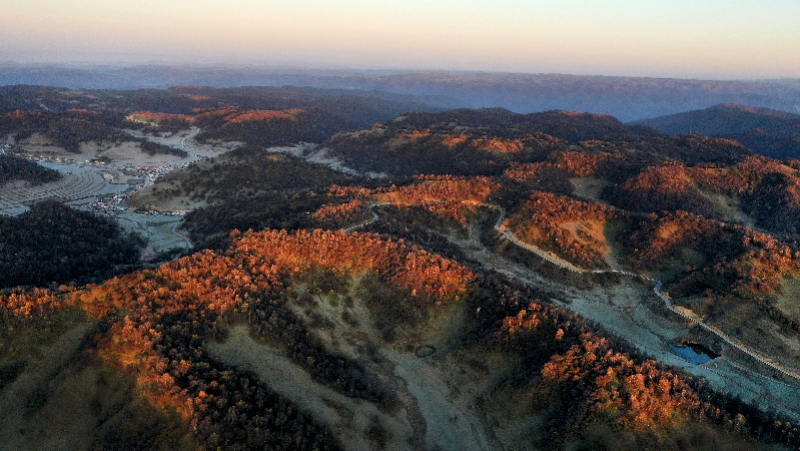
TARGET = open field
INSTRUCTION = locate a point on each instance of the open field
(80, 184)
(160, 231)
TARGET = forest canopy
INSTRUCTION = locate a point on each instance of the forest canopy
(55, 243)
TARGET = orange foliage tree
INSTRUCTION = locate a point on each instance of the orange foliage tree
(341, 215)
(443, 195)
(209, 283)
(642, 396)
(571, 228)
(580, 164)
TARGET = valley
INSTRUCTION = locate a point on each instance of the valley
(399, 226)
(531, 299)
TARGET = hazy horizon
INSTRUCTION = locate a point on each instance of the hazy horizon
(334, 70)
(707, 39)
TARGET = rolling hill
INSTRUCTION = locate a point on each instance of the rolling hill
(627, 98)
(458, 280)
(766, 131)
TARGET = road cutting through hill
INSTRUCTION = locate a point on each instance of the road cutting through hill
(557, 261)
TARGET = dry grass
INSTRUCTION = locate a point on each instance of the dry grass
(589, 187)
(590, 233)
(437, 393)
(348, 418)
(789, 301)
(728, 208)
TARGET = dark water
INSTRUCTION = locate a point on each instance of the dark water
(694, 353)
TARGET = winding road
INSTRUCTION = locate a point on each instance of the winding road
(191, 153)
(508, 235)
(181, 235)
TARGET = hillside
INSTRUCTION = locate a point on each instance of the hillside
(71, 131)
(246, 188)
(54, 243)
(357, 327)
(357, 107)
(489, 141)
(463, 280)
(766, 131)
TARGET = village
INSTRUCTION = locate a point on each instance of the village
(103, 185)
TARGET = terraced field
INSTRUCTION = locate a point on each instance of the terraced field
(78, 183)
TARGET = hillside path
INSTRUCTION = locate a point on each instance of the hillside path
(499, 226)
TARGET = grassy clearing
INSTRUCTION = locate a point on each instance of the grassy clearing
(55, 395)
(789, 301)
(355, 423)
(589, 187)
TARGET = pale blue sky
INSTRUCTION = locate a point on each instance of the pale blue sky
(698, 38)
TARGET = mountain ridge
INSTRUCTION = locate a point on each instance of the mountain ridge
(767, 131)
(628, 98)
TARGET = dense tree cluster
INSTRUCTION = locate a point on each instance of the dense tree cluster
(159, 122)
(446, 196)
(242, 173)
(734, 260)
(499, 122)
(499, 145)
(571, 228)
(263, 115)
(741, 178)
(15, 168)
(771, 133)
(54, 243)
(769, 191)
(661, 188)
(578, 164)
(335, 216)
(21, 305)
(269, 128)
(408, 151)
(641, 396)
(425, 275)
(159, 118)
(209, 227)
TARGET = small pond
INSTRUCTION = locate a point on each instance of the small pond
(693, 352)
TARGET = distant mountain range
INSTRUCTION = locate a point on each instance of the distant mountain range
(766, 131)
(627, 98)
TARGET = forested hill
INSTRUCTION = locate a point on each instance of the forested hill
(568, 125)
(54, 243)
(358, 107)
(263, 116)
(766, 131)
(489, 141)
(467, 280)
(15, 168)
(726, 119)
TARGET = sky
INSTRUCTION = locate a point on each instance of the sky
(719, 39)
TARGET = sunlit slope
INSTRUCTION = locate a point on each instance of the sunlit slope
(396, 347)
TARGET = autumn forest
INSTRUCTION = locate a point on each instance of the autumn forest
(362, 292)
